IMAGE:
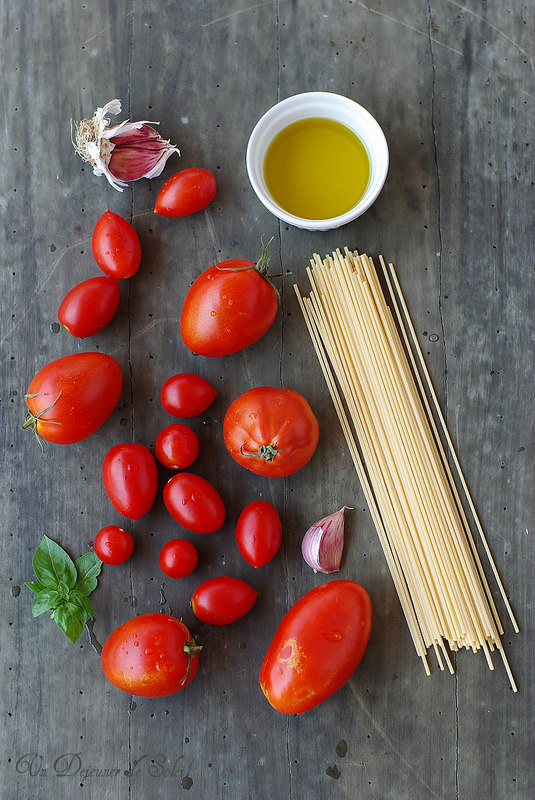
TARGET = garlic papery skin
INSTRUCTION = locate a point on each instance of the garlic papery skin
(323, 543)
(125, 152)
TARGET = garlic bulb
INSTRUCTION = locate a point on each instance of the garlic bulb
(323, 543)
(125, 152)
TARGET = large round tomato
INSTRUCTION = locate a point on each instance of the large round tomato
(187, 395)
(152, 655)
(186, 192)
(89, 306)
(73, 396)
(130, 479)
(194, 503)
(222, 600)
(317, 646)
(259, 532)
(230, 306)
(116, 246)
(271, 431)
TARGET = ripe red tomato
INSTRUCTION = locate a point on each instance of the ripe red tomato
(271, 431)
(222, 600)
(186, 192)
(187, 395)
(259, 532)
(178, 558)
(71, 397)
(317, 646)
(194, 503)
(89, 306)
(229, 307)
(113, 545)
(116, 246)
(130, 479)
(152, 655)
(177, 446)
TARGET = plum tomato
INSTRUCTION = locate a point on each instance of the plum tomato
(187, 395)
(130, 479)
(186, 192)
(230, 306)
(177, 446)
(317, 646)
(194, 503)
(271, 431)
(113, 545)
(71, 397)
(222, 600)
(116, 246)
(259, 532)
(178, 558)
(152, 655)
(89, 306)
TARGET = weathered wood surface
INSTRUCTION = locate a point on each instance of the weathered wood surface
(452, 84)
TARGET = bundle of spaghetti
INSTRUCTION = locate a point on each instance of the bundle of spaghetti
(363, 343)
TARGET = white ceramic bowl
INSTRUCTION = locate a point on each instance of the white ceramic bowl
(330, 106)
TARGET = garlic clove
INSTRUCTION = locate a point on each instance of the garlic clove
(323, 543)
(125, 152)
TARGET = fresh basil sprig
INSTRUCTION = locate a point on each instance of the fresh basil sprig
(63, 586)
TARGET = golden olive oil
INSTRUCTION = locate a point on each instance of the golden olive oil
(316, 168)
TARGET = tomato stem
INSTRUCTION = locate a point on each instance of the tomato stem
(266, 451)
(32, 419)
(191, 649)
(261, 266)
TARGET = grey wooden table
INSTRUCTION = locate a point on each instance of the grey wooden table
(452, 85)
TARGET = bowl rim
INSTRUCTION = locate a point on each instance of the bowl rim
(379, 154)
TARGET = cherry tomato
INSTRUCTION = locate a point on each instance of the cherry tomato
(177, 446)
(178, 558)
(89, 306)
(113, 545)
(259, 532)
(229, 307)
(271, 431)
(73, 396)
(130, 479)
(185, 193)
(194, 503)
(317, 646)
(187, 395)
(222, 600)
(152, 655)
(116, 246)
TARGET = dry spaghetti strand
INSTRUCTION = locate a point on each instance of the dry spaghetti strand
(381, 400)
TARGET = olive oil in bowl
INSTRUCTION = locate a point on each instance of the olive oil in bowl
(316, 168)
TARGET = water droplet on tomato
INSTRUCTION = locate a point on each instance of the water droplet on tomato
(149, 651)
(213, 313)
(136, 644)
(332, 636)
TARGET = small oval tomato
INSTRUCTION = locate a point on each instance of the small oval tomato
(271, 431)
(116, 246)
(222, 600)
(113, 545)
(177, 446)
(152, 655)
(259, 532)
(317, 646)
(89, 306)
(71, 397)
(178, 558)
(186, 192)
(130, 479)
(229, 307)
(187, 395)
(194, 503)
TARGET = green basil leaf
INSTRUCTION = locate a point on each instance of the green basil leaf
(88, 567)
(45, 600)
(52, 565)
(35, 586)
(70, 618)
(82, 600)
